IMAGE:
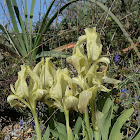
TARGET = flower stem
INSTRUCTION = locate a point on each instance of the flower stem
(38, 132)
(96, 135)
(94, 118)
(69, 136)
(86, 118)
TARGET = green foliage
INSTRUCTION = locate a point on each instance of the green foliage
(20, 45)
(46, 134)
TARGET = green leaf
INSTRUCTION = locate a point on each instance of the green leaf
(15, 45)
(58, 135)
(137, 137)
(30, 23)
(77, 126)
(47, 134)
(105, 123)
(61, 128)
(115, 132)
(53, 54)
(14, 23)
(21, 23)
(107, 105)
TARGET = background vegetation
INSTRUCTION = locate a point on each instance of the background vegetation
(58, 40)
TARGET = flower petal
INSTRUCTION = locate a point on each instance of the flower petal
(112, 81)
(84, 98)
(21, 88)
(35, 82)
(39, 94)
(13, 102)
(79, 61)
(49, 72)
(81, 81)
(57, 91)
(94, 46)
(80, 41)
(71, 103)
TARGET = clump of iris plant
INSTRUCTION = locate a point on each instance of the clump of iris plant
(57, 88)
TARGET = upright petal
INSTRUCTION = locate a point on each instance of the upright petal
(47, 74)
(21, 87)
(79, 61)
(71, 103)
(94, 46)
(35, 82)
(84, 98)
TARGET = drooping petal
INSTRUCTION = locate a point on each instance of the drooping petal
(12, 89)
(57, 91)
(84, 98)
(104, 89)
(80, 41)
(12, 99)
(94, 46)
(71, 103)
(111, 80)
(81, 81)
(39, 94)
(93, 76)
(95, 66)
